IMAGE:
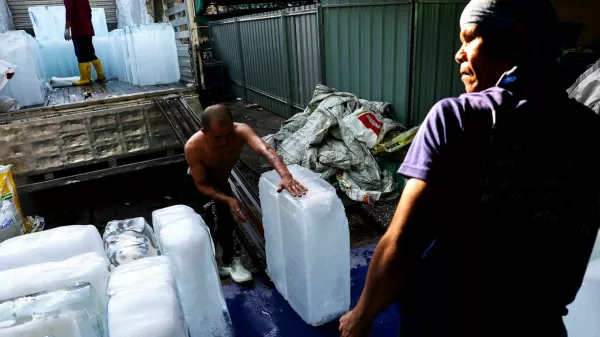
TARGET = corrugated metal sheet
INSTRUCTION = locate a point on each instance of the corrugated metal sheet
(436, 42)
(367, 50)
(271, 58)
(20, 13)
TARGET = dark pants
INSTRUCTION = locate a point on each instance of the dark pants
(222, 228)
(84, 49)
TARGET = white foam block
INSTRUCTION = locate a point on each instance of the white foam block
(53, 245)
(183, 237)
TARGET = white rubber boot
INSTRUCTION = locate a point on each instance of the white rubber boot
(236, 270)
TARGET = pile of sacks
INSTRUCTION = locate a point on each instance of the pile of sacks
(334, 137)
(58, 281)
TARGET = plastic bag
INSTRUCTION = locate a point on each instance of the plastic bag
(369, 127)
(128, 240)
(8, 190)
(59, 82)
(397, 143)
(8, 104)
(7, 70)
(10, 221)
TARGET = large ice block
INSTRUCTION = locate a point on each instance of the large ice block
(144, 301)
(6, 22)
(27, 85)
(71, 312)
(132, 12)
(59, 58)
(49, 22)
(308, 246)
(152, 54)
(53, 245)
(183, 237)
(582, 320)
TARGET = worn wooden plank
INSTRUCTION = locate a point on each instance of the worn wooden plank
(179, 22)
(176, 9)
(182, 35)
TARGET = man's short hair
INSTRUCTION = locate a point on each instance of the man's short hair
(217, 112)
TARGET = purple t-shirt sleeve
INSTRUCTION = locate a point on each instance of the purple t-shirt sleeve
(425, 156)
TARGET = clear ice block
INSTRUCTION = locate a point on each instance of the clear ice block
(308, 246)
(27, 85)
(6, 22)
(70, 312)
(582, 320)
(132, 12)
(52, 245)
(183, 237)
(144, 301)
(49, 22)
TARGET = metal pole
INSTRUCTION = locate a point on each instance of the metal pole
(241, 50)
(321, 45)
(288, 65)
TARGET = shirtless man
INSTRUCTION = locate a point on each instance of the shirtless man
(211, 154)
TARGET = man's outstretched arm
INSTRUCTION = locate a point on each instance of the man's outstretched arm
(394, 259)
(264, 150)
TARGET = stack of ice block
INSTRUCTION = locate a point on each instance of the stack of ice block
(49, 22)
(86, 268)
(183, 237)
(6, 22)
(151, 56)
(71, 312)
(60, 60)
(132, 12)
(582, 320)
(27, 85)
(308, 246)
(53, 245)
(143, 300)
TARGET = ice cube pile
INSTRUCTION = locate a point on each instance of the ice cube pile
(128, 240)
(27, 85)
(144, 301)
(183, 236)
(53, 245)
(49, 22)
(582, 320)
(70, 312)
(307, 246)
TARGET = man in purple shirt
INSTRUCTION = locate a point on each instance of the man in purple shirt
(78, 26)
(497, 222)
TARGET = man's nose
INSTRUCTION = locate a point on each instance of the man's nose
(460, 56)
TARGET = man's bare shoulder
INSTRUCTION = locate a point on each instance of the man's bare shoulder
(196, 142)
(243, 131)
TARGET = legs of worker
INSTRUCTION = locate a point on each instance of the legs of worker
(99, 71)
(232, 263)
(84, 50)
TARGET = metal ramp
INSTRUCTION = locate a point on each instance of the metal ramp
(185, 122)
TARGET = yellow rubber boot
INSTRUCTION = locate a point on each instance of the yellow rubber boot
(85, 71)
(98, 66)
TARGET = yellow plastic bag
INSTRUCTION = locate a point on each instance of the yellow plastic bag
(8, 190)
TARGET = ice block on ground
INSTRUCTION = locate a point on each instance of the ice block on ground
(314, 241)
(132, 12)
(183, 236)
(53, 245)
(71, 312)
(582, 320)
(144, 301)
(27, 85)
(128, 240)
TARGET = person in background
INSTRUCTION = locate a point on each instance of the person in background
(496, 224)
(79, 28)
(211, 155)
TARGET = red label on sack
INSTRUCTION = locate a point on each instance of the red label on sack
(371, 122)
